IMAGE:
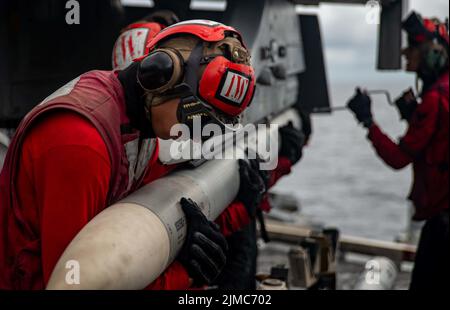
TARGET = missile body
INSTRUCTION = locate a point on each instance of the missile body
(129, 244)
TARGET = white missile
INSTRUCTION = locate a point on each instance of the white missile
(129, 244)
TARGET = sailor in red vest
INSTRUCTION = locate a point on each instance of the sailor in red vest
(425, 145)
(238, 222)
(94, 141)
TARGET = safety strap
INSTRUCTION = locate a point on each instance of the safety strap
(193, 67)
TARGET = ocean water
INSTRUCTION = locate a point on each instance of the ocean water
(341, 182)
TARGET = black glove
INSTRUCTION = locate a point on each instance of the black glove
(361, 105)
(204, 251)
(292, 143)
(253, 185)
(407, 105)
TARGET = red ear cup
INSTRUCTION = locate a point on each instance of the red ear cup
(227, 86)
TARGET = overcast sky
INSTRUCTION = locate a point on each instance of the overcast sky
(351, 43)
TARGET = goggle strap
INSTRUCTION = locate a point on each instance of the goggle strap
(193, 67)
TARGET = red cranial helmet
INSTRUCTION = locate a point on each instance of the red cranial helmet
(216, 69)
(132, 43)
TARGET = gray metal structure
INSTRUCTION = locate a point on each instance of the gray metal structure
(275, 40)
(390, 37)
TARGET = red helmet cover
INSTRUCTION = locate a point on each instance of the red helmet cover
(132, 43)
(206, 30)
(227, 86)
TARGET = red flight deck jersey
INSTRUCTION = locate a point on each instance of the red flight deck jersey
(425, 145)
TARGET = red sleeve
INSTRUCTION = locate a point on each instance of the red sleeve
(423, 125)
(388, 150)
(283, 168)
(420, 131)
(71, 173)
(70, 170)
(233, 219)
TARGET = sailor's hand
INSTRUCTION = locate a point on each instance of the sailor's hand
(361, 106)
(292, 143)
(204, 251)
(253, 185)
(407, 105)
